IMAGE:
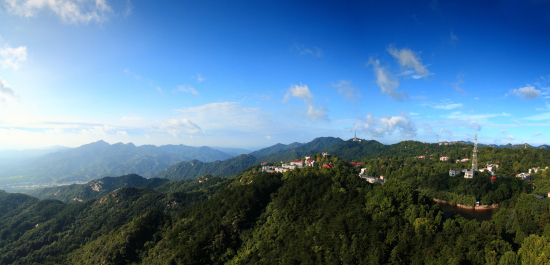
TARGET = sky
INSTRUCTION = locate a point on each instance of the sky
(251, 74)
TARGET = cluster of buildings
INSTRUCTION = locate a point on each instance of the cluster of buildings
(445, 143)
(527, 176)
(371, 179)
(469, 173)
(308, 162)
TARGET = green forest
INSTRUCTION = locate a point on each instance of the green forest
(313, 215)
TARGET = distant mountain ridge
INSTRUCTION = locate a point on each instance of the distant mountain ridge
(232, 166)
(100, 159)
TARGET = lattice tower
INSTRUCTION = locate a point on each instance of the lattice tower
(474, 156)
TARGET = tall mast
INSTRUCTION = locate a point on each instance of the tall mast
(474, 158)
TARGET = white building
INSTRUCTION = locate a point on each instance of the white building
(454, 172)
(468, 174)
(444, 158)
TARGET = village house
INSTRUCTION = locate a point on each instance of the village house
(537, 169)
(524, 176)
(372, 179)
(454, 172)
(468, 174)
(419, 156)
(297, 162)
(444, 158)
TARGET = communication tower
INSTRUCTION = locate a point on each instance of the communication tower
(474, 156)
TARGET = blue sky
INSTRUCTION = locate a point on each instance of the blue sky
(253, 74)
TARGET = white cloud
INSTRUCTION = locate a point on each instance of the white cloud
(387, 125)
(6, 93)
(409, 59)
(268, 137)
(302, 91)
(545, 108)
(456, 85)
(316, 52)
(132, 74)
(539, 117)
(70, 11)
(175, 127)
(448, 106)
(445, 131)
(475, 126)
(188, 88)
(128, 9)
(484, 118)
(199, 77)
(386, 81)
(13, 57)
(147, 136)
(122, 133)
(299, 91)
(538, 134)
(228, 116)
(347, 91)
(527, 92)
(129, 119)
(502, 131)
(510, 137)
(315, 114)
(56, 131)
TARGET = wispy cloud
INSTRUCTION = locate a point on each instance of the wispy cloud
(409, 59)
(456, 85)
(188, 88)
(315, 51)
(132, 74)
(448, 106)
(228, 116)
(386, 81)
(175, 127)
(199, 77)
(6, 93)
(510, 137)
(103, 130)
(387, 125)
(12, 57)
(545, 108)
(268, 137)
(348, 92)
(528, 92)
(475, 126)
(446, 132)
(539, 117)
(502, 131)
(128, 10)
(302, 91)
(537, 134)
(70, 11)
(454, 38)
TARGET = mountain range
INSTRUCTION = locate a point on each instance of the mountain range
(100, 159)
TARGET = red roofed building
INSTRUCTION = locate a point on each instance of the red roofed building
(328, 166)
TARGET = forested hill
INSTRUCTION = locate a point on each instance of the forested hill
(96, 188)
(317, 145)
(305, 216)
(100, 159)
(195, 168)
